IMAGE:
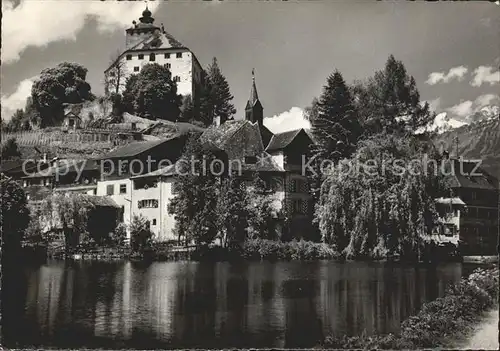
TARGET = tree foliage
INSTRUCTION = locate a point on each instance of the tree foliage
(220, 93)
(389, 101)
(336, 128)
(232, 212)
(141, 237)
(385, 205)
(262, 211)
(10, 149)
(152, 94)
(15, 215)
(194, 206)
(56, 86)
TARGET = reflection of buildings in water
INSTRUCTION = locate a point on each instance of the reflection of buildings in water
(160, 298)
(49, 290)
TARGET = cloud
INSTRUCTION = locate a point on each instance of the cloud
(485, 74)
(286, 121)
(465, 109)
(51, 21)
(454, 73)
(16, 100)
(487, 99)
(462, 109)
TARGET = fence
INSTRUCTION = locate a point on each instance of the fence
(43, 138)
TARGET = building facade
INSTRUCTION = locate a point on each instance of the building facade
(148, 43)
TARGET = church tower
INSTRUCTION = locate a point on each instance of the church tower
(254, 112)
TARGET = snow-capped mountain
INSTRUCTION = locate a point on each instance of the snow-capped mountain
(444, 122)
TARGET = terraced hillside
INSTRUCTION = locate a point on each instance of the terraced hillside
(480, 140)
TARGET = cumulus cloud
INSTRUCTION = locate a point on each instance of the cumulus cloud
(466, 108)
(286, 121)
(445, 77)
(485, 74)
(462, 109)
(16, 100)
(70, 18)
(487, 99)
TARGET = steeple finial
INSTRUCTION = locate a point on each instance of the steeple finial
(253, 92)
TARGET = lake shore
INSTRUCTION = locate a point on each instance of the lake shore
(443, 322)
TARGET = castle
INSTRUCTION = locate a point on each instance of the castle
(147, 43)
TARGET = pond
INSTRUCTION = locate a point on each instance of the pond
(212, 305)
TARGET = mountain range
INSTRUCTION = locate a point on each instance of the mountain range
(475, 137)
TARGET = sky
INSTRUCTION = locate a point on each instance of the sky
(451, 48)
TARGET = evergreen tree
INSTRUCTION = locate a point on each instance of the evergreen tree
(187, 109)
(390, 101)
(336, 128)
(220, 93)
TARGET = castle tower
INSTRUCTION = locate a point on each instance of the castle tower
(254, 112)
(140, 31)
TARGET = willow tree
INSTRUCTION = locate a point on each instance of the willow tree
(380, 202)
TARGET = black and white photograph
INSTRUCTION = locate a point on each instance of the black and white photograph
(250, 174)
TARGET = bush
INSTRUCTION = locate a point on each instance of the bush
(119, 235)
(294, 250)
(439, 322)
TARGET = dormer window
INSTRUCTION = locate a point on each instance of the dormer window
(152, 57)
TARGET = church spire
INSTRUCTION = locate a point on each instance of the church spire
(254, 111)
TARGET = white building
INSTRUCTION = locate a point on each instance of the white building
(147, 43)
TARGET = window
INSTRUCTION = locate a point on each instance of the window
(251, 160)
(110, 189)
(112, 73)
(168, 65)
(154, 221)
(136, 69)
(141, 56)
(149, 203)
(178, 55)
(152, 57)
(167, 55)
(297, 206)
(177, 79)
(473, 195)
(129, 57)
(294, 186)
(123, 188)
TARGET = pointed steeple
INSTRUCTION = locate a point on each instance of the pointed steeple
(254, 112)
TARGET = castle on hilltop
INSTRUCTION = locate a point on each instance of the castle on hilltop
(145, 43)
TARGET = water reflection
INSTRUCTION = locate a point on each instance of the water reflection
(191, 305)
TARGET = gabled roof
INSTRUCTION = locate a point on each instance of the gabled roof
(100, 201)
(66, 166)
(220, 136)
(265, 163)
(133, 149)
(279, 141)
(165, 171)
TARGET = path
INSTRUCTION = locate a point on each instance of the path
(486, 335)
